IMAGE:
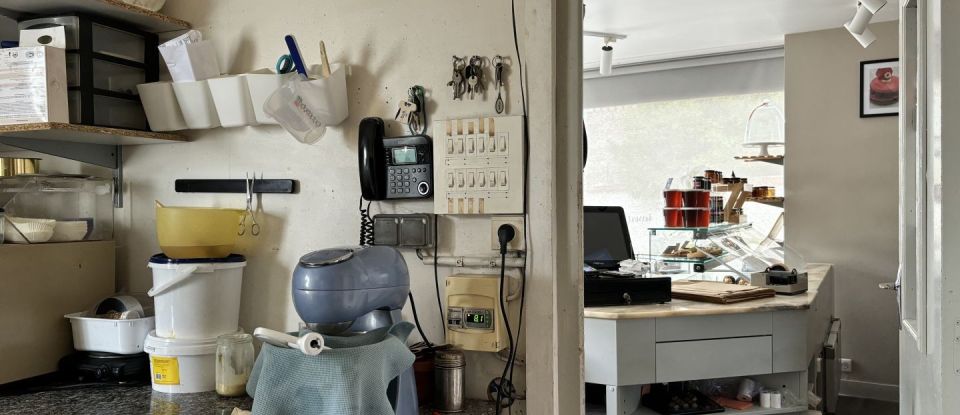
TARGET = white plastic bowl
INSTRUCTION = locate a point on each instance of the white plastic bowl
(28, 230)
(69, 231)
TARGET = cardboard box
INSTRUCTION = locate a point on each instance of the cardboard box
(33, 85)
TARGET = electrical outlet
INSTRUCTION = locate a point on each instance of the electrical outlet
(517, 244)
(846, 365)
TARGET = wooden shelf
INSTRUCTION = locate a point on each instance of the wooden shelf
(143, 19)
(85, 134)
(772, 201)
(767, 159)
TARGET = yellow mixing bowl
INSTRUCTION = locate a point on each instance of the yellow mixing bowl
(197, 232)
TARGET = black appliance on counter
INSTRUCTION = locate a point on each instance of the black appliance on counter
(606, 242)
(87, 370)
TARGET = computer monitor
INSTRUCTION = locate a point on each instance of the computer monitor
(606, 239)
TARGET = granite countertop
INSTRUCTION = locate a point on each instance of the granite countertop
(128, 400)
(120, 400)
(818, 274)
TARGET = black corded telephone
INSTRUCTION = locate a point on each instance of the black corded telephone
(393, 168)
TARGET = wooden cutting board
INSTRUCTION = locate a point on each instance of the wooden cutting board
(718, 292)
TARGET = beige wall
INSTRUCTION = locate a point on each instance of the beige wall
(841, 182)
(389, 46)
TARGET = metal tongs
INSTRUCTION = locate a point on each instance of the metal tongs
(255, 227)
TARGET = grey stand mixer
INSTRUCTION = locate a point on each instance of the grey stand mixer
(344, 291)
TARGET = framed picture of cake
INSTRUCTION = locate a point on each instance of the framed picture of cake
(879, 88)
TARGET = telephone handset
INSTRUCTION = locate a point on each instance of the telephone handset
(396, 167)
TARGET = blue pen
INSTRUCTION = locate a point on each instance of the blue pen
(295, 55)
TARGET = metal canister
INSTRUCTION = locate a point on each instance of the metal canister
(448, 368)
(14, 166)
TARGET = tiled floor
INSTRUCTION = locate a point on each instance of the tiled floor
(858, 406)
(846, 406)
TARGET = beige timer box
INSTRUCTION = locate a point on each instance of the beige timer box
(474, 321)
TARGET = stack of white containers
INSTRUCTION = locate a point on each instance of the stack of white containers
(195, 300)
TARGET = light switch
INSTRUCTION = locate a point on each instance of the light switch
(480, 144)
(492, 144)
(449, 179)
(503, 177)
(449, 146)
(503, 142)
(459, 179)
(492, 178)
(459, 146)
(470, 145)
(482, 178)
(470, 182)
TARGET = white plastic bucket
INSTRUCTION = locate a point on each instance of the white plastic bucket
(196, 300)
(107, 335)
(182, 366)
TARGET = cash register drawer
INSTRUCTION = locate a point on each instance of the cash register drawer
(707, 359)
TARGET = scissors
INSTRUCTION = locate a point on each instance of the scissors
(255, 228)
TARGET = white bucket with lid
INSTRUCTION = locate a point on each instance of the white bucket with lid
(181, 365)
(196, 298)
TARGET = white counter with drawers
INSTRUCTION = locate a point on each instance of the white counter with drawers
(773, 341)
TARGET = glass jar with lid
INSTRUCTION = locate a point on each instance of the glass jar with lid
(234, 363)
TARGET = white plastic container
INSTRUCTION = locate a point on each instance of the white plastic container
(161, 106)
(182, 366)
(196, 299)
(91, 334)
(232, 99)
(196, 104)
(261, 86)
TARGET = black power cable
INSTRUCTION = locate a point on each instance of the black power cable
(505, 234)
(436, 272)
(416, 319)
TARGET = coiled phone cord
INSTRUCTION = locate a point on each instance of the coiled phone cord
(366, 224)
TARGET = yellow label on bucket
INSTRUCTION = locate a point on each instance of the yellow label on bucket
(166, 370)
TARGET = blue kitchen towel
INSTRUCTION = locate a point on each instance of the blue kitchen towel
(351, 378)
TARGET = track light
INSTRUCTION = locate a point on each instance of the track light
(606, 51)
(859, 22)
(865, 38)
(873, 5)
(858, 25)
(606, 60)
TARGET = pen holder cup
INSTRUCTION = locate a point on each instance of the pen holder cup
(196, 104)
(161, 106)
(306, 107)
(232, 100)
(261, 86)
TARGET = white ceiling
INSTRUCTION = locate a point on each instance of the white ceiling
(665, 29)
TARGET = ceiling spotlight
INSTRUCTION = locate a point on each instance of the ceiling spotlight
(865, 38)
(873, 5)
(606, 51)
(859, 22)
(606, 60)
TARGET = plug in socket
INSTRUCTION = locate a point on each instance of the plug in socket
(517, 244)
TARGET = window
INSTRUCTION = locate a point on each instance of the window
(635, 148)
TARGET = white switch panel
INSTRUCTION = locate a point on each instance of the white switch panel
(479, 166)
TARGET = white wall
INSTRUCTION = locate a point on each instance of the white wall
(841, 182)
(390, 46)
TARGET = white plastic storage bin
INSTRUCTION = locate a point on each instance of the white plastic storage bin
(232, 99)
(196, 104)
(91, 334)
(261, 86)
(196, 298)
(161, 106)
(180, 365)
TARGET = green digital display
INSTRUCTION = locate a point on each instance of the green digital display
(405, 155)
(479, 319)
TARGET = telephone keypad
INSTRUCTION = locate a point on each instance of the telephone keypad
(404, 181)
